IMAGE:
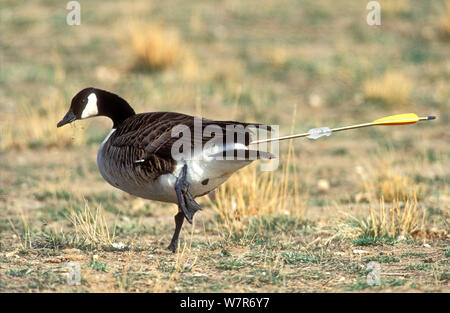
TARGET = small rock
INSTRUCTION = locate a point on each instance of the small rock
(73, 257)
(126, 219)
(70, 251)
(119, 246)
(323, 185)
(315, 101)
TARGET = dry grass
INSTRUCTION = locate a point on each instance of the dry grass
(91, 227)
(24, 232)
(445, 20)
(253, 194)
(394, 186)
(30, 126)
(393, 89)
(394, 7)
(277, 57)
(190, 68)
(382, 180)
(156, 47)
(399, 220)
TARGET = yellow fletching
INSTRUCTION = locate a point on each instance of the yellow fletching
(399, 119)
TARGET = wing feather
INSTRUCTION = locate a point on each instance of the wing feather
(150, 134)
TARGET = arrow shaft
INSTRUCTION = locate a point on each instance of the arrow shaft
(337, 129)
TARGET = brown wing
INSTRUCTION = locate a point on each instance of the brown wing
(128, 144)
(151, 133)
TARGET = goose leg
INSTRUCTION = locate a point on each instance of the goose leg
(186, 201)
(186, 207)
(179, 218)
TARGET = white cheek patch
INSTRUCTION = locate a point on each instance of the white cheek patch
(91, 107)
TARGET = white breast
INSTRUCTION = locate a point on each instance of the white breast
(100, 162)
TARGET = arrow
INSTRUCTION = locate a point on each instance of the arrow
(315, 133)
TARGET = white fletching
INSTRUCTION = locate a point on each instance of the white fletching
(319, 132)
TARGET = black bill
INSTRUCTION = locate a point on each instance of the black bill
(68, 118)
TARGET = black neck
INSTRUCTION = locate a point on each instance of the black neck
(115, 108)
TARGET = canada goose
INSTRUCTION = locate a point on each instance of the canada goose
(137, 154)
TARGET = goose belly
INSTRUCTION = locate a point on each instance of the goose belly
(134, 180)
(203, 175)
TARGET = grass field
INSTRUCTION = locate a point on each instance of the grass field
(313, 225)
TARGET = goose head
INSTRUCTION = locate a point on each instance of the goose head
(91, 102)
